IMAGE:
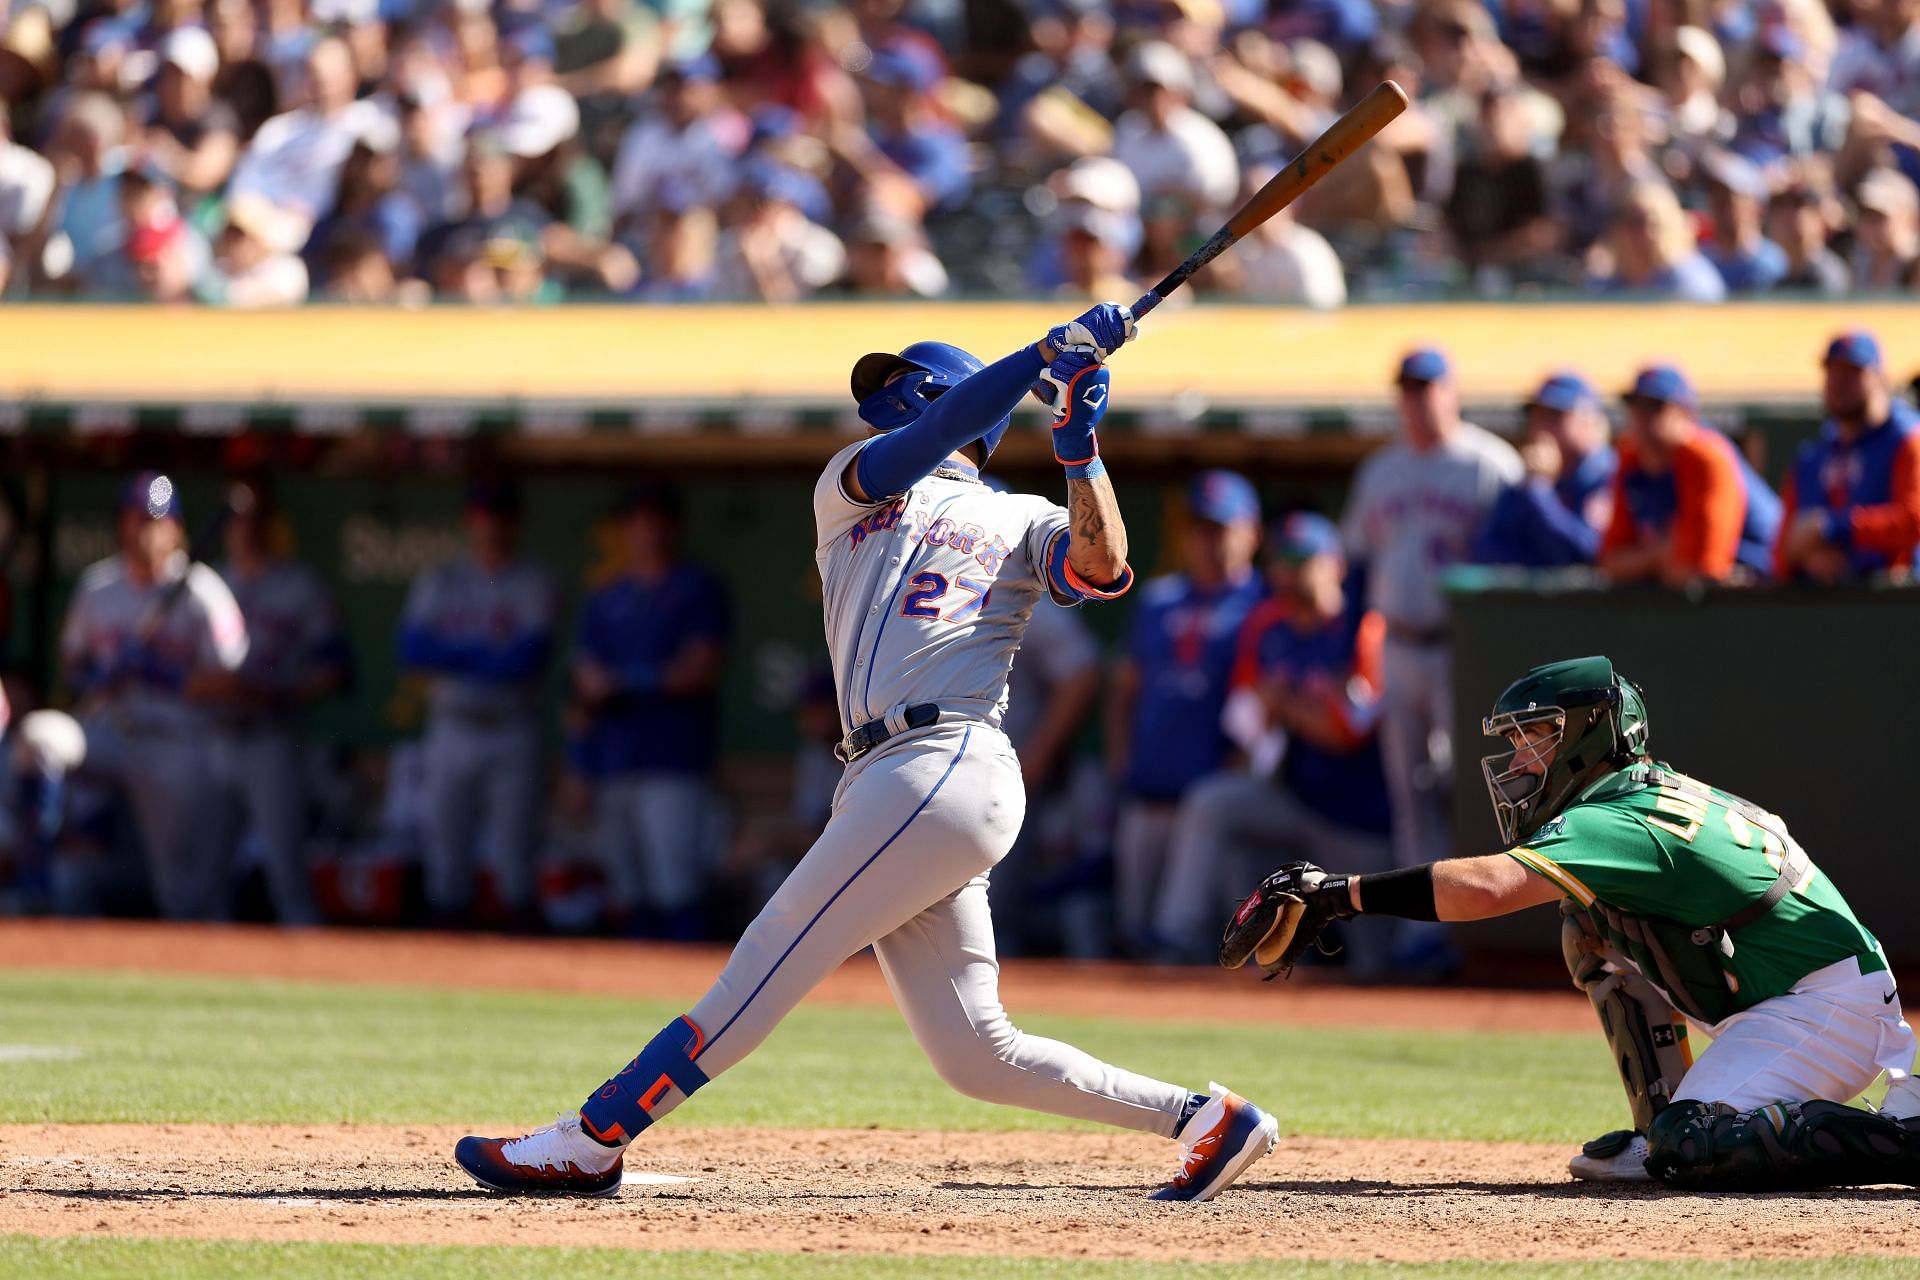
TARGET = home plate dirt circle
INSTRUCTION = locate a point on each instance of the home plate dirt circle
(1037, 1194)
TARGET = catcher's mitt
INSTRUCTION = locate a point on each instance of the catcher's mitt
(1283, 917)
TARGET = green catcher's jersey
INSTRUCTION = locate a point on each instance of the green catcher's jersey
(1675, 849)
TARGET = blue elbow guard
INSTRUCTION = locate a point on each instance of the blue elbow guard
(623, 1107)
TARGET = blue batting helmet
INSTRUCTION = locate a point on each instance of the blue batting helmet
(932, 369)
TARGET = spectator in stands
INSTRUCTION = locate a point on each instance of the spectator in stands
(1305, 700)
(27, 204)
(1852, 496)
(888, 257)
(910, 158)
(161, 257)
(1062, 98)
(480, 629)
(1687, 506)
(649, 655)
(1737, 193)
(296, 656)
(1280, 260)
(355, 269)
(772, 252)
(370, 203)
(494, 250)
(1500, 212)
(432, 150)
(150, 638)
(605, 53)
(682, 243)
(1650, 251)
(1556, 515)
(1879, 53)
(1413, 510)
(294, 161)
(1694, 71)
(1797, 222)
(1163, 721)
(254, 260)
(540, 131)
(191, 137)
(688, 141)
(1610, 159)
(1781, 106)
(1168, 145)
(88, 157)
(1093, 255)
(1887, 244)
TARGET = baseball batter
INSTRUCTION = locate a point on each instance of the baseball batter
(1681, 904)
(150, 637)
(1415, 507)
(929, 578)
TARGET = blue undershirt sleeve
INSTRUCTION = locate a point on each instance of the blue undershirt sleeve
(895, 462)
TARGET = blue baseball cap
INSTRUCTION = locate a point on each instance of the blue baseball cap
(1426, 364)
(153, 494)
(1302, 536)
(1564, 392)
(1665, 384)
(1859, 349)
(1223, 497)
(704, 67)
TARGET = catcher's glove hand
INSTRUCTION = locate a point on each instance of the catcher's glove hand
(1284, 917)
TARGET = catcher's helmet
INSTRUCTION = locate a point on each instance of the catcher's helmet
(1600, 722)
(932, 369)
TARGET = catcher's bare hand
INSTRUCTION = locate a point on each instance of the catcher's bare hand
(1283, 917)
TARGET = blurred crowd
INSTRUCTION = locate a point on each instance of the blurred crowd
(267, 152)
(1285, 689)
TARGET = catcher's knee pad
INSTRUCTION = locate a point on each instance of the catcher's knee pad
(625, 1105)
(1648, 1040)
(1787, 1146)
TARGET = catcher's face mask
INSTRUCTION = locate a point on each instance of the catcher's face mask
(1517, 778)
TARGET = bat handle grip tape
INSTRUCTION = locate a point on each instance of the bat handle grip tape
(1146, 302)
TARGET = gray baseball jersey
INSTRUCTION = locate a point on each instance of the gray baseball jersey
(1412, 513)
(134, 646)
(293, 628)
(484, 634)
(927, 595)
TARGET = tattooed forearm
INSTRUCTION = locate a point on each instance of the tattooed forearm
(1098, 551)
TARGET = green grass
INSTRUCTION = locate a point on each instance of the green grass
(156, 1048)
(91, 1259)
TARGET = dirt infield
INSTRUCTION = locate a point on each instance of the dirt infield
(623, 968)
(1038, 1194)
(1052, 1194)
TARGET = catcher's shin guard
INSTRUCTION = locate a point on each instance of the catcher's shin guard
(628, 1103)
(1784, 1147)
(1648, 1039)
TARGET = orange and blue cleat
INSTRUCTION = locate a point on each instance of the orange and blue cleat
(1222, 1139)
(558, 1160)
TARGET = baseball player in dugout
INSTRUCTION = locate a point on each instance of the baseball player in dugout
(150, 643)
(1163, 718)
(1415, 507)
(1681, 905)
(296, 655)
(929, 578)
(1687, 506)
(1853, 493)
(481, 628)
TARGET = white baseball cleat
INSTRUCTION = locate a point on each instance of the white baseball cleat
(1620, 1156)
(1222, 1139)
(558, 1159)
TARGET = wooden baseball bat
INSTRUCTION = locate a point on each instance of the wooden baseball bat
(1343, 137)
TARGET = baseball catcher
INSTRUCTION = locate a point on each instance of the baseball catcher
(1681, 904)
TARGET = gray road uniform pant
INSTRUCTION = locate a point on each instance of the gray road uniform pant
(902, 865)
(654, 833)
(483, 784)
(1416, 744)
(162, 772)
(257, 783)
(1230, 831)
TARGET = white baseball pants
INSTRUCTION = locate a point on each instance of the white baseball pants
(902, 865)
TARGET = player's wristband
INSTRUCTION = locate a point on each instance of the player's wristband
(1406, 893)
(1088, 470)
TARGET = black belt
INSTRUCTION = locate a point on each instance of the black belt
(874, 732)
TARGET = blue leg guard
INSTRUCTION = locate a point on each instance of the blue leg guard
(622, 1107)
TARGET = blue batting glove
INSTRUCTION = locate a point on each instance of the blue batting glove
(1103, 329)
(1079, 386)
